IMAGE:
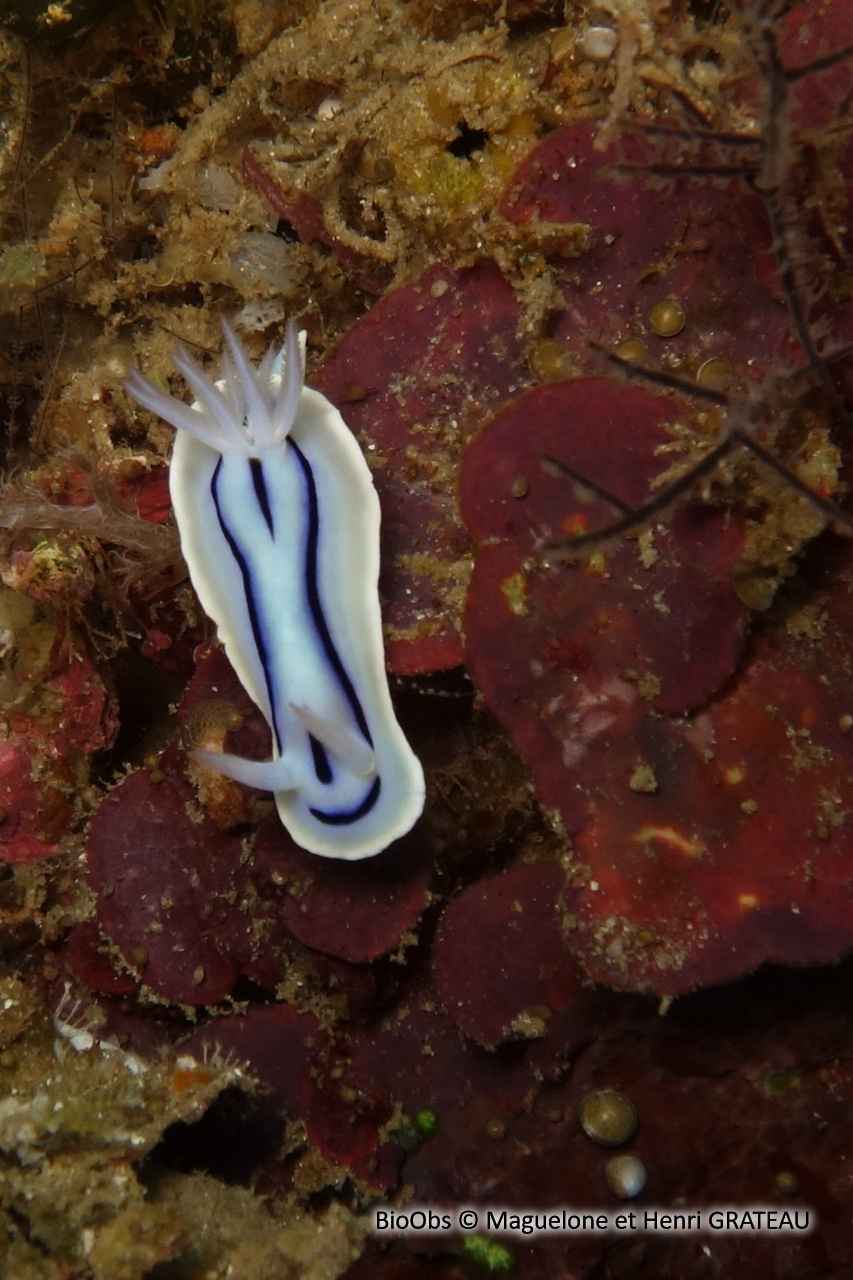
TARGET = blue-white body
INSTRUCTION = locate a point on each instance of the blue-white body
(279, 525)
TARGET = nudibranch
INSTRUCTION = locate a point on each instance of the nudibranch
(279, 526)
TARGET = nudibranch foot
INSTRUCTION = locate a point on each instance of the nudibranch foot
(279, 524)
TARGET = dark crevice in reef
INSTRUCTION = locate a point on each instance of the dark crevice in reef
(235, 1136)
(467, 142)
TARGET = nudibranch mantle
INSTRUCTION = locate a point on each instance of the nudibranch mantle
(279, 525)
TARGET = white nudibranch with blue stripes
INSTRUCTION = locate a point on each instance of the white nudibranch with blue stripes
(279, 525)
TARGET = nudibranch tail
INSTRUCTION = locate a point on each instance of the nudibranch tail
(266, 775)
(347, 747)
(279, 524)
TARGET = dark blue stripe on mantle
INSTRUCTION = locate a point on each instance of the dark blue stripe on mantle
(322, 765)
(251, 604)
(313, 593)
(257, 469)
(322, 768)
(350, 815)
